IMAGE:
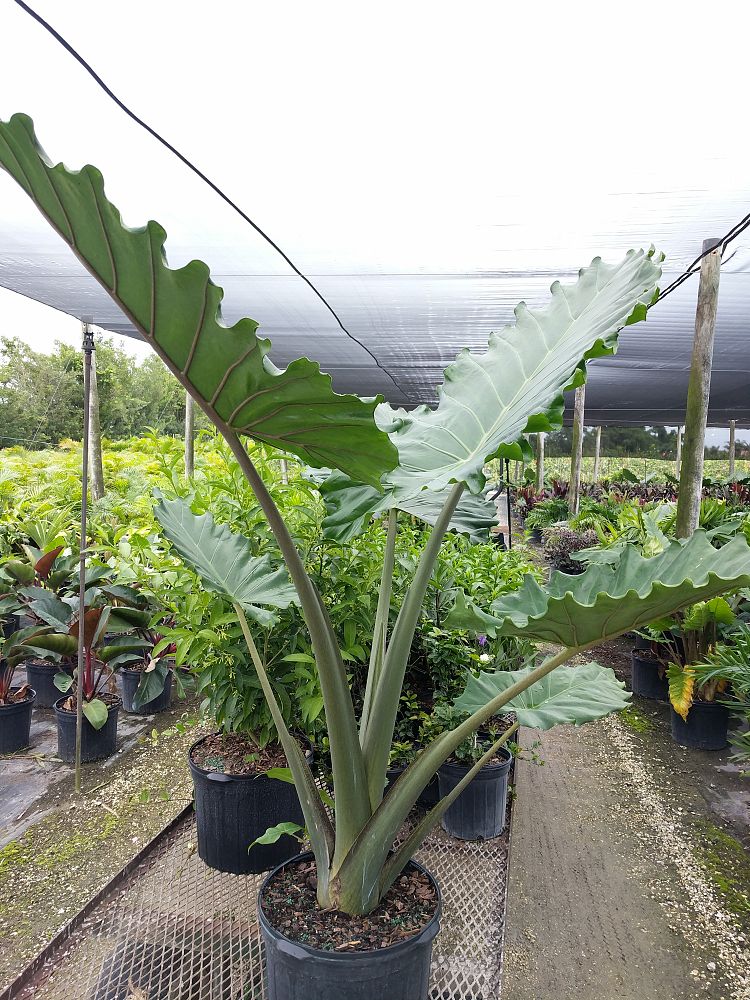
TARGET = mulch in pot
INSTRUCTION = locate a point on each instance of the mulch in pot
(110, 700)
(234, 753)
(291, 906)
(18, 695)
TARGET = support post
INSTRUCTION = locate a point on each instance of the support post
(507, 495)
(678, 459)
(284, 472)
(732, 429)
(574, 487)
(88, 351)
(597, 452)
(95, 430)
(189, 436)
(699, 387)
(540, 462)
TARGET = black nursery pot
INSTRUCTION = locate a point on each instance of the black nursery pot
(15, 724)
(233, 810)
(297, 972)
(706, 727)
(479, 811)
(41, 677)
(536, 535)
(430, 795)
(130, 681)
(96, 744)
(647, 680)
(10, 625)
(641, 642)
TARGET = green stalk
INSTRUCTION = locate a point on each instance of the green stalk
(380, 633)
(382, 716)
(360, 872)
(349, 778)
(408, 848)
(316, 819)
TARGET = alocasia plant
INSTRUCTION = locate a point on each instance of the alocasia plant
(488, 402)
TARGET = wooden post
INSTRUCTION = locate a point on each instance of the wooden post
(540, 462)
(88, 368)
(284, 472)
(699, 387)
(96, 464)
(189, 435)
(678, 459)
(574, 487)
(732, 428)
(516, 472)
(597, 452)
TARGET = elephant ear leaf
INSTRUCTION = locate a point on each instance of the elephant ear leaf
(488, 401)
(350, 505)
(225, 562)
(681, 688)
(566, 696)
(226, 369)
(607, 600)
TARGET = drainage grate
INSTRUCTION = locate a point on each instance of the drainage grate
(177, 930)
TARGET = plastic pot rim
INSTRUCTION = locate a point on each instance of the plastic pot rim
(30, 697)
(67, 711)
(427, 933)
(197, 769)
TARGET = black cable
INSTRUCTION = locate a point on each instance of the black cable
(724, 242)
(196, 170)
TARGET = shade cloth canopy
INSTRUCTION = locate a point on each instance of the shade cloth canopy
(427, 170)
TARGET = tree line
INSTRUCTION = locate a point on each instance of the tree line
(626, 442)
(41, 395)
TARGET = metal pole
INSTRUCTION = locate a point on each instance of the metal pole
(507, 483)
(574, 489)
(540, 461)
(732, 428)
(699, 388)
(88, 350)
(189, 436)
(597, 452)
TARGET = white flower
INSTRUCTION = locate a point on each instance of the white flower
(484, 658)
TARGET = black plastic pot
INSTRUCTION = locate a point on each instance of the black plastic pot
(10, 625)
(41, 677)
(536, 535)
(641, 642)
(130, 681)
(430, 794)
(15, 724)
(297, 972)
(233, 810)
(648, 678)
(96, 744)
(479, 811)
(705, 729)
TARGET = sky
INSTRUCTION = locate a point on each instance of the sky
(401, 141)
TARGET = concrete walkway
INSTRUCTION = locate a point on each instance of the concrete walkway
(608, 899)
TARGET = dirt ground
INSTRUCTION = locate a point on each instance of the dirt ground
(629, 870)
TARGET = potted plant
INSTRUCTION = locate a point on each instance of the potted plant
(16, 704)
(544, 514)
(332, 941)
(147, 683)
(696, 677)
(101, 703)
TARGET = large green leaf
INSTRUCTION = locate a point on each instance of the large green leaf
(489, 401)
(225, 562)
(350, 505)
(178, 313)
(567, 696)
(608, 600)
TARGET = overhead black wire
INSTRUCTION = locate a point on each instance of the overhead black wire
(207, 180)
(724, 242)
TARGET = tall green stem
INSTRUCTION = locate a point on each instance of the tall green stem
(382, 719)
(380, 634)
(349, 779)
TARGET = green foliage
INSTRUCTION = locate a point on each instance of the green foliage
(548, 512)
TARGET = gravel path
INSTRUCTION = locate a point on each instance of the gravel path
(610, 897)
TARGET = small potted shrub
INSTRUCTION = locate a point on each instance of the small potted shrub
(703, 692)
(545, 513)
(16, 704)
(247, 809)
(561, 543)
(147, 683)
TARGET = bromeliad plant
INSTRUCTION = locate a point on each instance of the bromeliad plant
(421, 461)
